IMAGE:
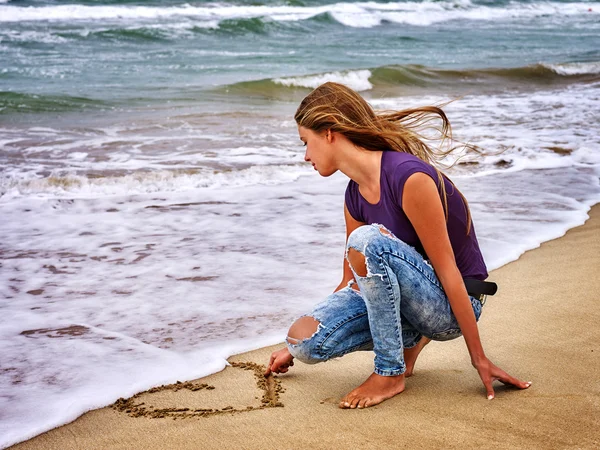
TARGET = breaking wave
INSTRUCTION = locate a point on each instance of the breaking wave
(418, 75)
(359, 14)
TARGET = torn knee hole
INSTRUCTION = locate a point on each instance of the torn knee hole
(357, 262)
(383, 230)
(303, 328)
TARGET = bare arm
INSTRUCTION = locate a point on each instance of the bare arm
(423, 207)
(351, 225)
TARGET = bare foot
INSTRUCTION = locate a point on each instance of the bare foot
(373, 391)
(411, 354)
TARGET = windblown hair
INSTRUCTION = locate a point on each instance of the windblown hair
(333, 106)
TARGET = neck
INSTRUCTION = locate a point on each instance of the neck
(362, 166)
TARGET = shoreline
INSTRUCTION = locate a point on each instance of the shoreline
(539, 327)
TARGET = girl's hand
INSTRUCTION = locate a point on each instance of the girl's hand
(280, 362)
(488, 373)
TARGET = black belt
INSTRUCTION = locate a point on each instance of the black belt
(479, 289)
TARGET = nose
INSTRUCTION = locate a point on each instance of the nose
(306, 158)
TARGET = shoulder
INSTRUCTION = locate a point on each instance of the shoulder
(351, 200)
(396, 163)
(351, 196)
(351, 188)
(398, 167)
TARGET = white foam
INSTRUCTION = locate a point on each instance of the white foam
(353, 15)
(361, 14)
(355, 79)
(75, 12)
(429, 13)
(142, 182)
(579, 68)
(508, 127)
(28, 36)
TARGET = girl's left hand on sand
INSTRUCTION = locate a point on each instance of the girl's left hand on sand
(488, 372)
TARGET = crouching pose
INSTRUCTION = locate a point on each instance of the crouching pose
(413, 270)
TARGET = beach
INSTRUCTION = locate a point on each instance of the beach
(158, 217)
(541, 326)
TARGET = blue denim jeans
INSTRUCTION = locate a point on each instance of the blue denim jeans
(400, 301)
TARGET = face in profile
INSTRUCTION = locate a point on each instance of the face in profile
(319, 150)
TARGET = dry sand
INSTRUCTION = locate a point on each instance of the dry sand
(543, 326)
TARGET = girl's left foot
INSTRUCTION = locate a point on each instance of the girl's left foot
(411, 354)
(373, 391)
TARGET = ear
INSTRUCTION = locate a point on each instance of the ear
(329, 136)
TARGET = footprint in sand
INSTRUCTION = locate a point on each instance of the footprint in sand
(159, 402)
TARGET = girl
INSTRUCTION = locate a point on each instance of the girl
(411, 247)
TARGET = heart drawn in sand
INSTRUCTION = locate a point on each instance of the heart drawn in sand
(270, 386)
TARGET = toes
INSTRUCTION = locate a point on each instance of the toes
(349, 402)
(344, 403)
(363, 403)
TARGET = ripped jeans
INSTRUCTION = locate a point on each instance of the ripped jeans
(400, 301)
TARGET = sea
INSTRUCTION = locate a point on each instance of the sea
(156, 212)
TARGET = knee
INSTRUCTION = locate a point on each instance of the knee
(361, 237)
(369, 235)
(303, 328)
(300, 342)
(357, 262)
(360, 242)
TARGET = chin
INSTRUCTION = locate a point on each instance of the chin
(326, 173)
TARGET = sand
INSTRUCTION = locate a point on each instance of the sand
(542, 326)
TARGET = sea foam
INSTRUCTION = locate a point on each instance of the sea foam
(355, 79)
(141, 182)
(360, 14)
(576, 68)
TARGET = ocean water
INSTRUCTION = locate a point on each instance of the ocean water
(156, 213)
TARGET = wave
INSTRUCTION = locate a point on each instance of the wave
(356, 79)
(577, 68)
(359, 14)
(254, 25)
(366, 79)
(141, 182)
(418, 75)
(16, 102)
(133, 34)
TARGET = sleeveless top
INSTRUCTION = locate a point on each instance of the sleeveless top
(396, 167)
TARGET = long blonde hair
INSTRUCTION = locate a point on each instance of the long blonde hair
(333, 106)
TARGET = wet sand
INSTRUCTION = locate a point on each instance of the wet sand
(542, 326)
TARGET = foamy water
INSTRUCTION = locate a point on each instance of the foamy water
(356, 79)
(357, 14)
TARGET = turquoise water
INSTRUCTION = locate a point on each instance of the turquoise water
(156, 213)
(120, 54)
(107, 76)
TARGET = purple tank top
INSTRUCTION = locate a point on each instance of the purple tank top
(396, 167)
